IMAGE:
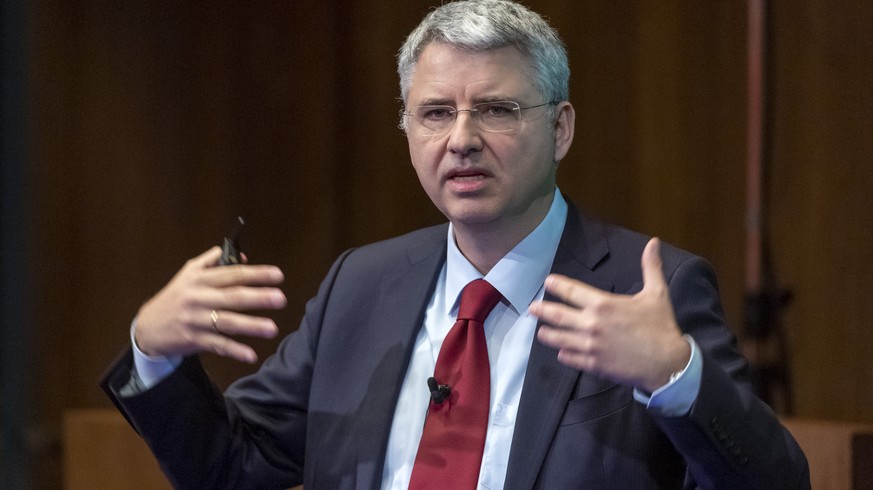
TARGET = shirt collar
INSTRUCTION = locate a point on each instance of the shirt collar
(520, 274)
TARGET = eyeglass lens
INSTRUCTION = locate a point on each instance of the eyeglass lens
(495, 117)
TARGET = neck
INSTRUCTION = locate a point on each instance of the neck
(484, 244)
(484, 252)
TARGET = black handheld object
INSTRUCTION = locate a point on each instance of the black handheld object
(231, 253)
(438, 392)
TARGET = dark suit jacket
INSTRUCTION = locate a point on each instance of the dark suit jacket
(319, 411)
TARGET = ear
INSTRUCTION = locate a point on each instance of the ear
(565, 125)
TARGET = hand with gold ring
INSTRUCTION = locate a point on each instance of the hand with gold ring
(204, 309)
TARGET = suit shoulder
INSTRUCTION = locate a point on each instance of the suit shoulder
(401, 250)
(624, 249)
(624, 242)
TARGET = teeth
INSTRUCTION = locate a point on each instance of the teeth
(468, 177)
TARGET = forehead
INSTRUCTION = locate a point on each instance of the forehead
(450, 74)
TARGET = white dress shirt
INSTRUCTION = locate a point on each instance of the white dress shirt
(509, 333)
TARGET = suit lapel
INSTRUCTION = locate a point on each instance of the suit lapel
(548, 384)
(402, 302)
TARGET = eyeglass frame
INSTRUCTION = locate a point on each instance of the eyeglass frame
(474, 113)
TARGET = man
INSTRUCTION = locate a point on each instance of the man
(614, 371)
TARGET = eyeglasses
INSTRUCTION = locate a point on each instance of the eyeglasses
(503, 116)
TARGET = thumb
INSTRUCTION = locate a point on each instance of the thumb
(653, 267)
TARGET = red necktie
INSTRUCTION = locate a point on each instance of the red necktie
(450, 451)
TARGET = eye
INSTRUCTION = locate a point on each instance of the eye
(497, 110)
(435, 113)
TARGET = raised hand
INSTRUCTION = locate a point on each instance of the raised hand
(202, 307)
(633, 340)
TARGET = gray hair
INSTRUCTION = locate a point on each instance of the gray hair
(483, 25)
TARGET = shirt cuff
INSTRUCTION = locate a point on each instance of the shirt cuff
(151, 370)
(675, 398)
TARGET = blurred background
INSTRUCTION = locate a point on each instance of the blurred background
(134, 133)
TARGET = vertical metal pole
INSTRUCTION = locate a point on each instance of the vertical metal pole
(755, 141)
(14, 328)
(764, 340)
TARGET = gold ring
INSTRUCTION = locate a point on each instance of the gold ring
(214, 317)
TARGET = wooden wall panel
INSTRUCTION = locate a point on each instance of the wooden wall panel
(822, 218)
(155, 123)
(381, 194)
(660, 93)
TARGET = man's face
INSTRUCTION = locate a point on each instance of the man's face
(480, 180)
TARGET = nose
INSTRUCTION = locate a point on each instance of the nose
(464, 137)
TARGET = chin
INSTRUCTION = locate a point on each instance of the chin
(475, 209)
(472, 217)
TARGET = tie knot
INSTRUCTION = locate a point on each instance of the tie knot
(477, 300)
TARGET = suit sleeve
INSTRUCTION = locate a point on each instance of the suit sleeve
(252, 436)
(730, 438)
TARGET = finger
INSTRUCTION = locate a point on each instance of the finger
(557, 315)
(227, 347)
(554, 337)
(572, 291)
(240, 298)
(653, 266)
(572, 351)
(232, 323)
(577, 360)
(208, 258)
(243, 275)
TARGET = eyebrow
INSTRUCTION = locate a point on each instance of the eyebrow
(446, 102)
(478, 100)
